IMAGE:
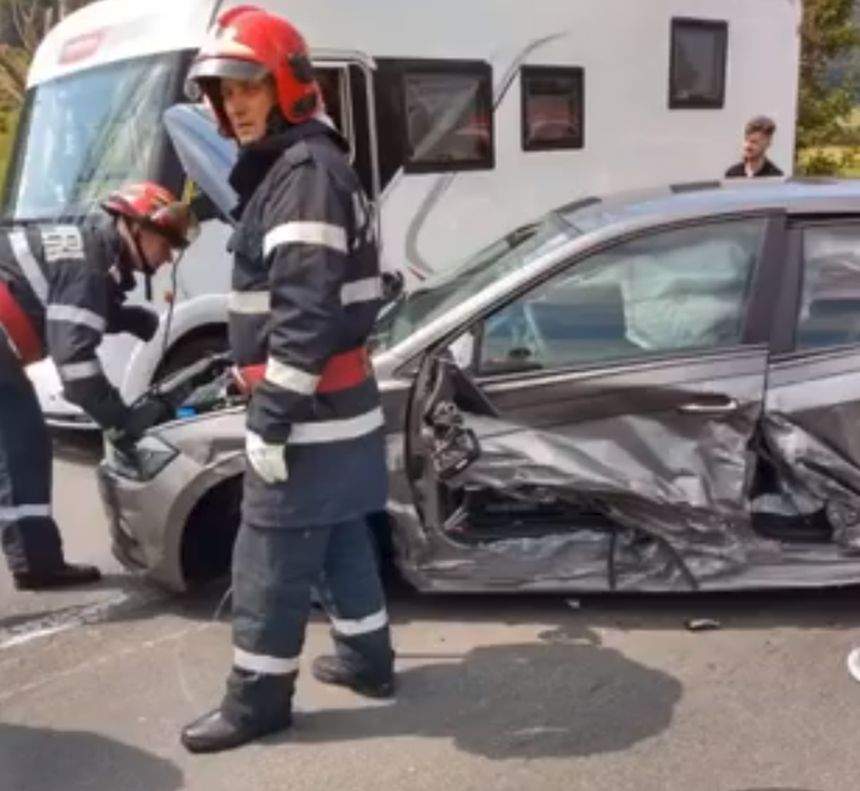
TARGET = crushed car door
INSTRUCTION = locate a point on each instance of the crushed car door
(601, 435)
(812, 414)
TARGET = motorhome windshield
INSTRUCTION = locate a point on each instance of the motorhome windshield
(447, 289)
(84, 134)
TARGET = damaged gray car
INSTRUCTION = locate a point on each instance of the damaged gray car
(652, 392)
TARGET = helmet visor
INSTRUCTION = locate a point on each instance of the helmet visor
(221, 69)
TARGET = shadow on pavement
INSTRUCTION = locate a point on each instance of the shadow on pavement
(41, 759)
(560, 697)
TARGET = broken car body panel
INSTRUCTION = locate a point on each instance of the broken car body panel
(658, 453)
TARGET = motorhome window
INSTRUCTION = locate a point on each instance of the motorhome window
(335, 86)
(387, 84)
(448, 117)
(366, 150)
(829, 312)
(552, 108)
(698, 69)
(84, 134)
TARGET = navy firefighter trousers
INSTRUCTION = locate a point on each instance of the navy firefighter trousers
(273, 573)
(31, 540)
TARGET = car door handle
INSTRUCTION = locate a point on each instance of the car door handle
(710, 407)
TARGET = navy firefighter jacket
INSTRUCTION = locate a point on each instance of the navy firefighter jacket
(62, 287)
(306, 290)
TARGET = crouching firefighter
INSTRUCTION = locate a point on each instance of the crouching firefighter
(306, 292)
(61, 288)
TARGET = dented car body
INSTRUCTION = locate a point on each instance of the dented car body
(656, 392)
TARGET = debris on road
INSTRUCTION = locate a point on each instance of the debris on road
(702, 624)
(853, 662)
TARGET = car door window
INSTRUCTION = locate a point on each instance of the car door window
(675, 290)
(829, 313)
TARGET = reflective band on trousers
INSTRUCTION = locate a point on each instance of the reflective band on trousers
(349, 627)
(366, 290)
(88, 369)
(336, 430)
(9, 513)
(76, 315)
(29, 265)
(315, 233)
(249, 302)
(289, 377)
(260, 663)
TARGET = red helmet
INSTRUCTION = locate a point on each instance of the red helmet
(248, 43)
(155, 208)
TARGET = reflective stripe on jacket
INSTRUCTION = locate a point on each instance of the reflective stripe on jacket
(66, 281)
(306, 290)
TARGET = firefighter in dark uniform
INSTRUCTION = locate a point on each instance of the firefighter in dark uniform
(306, 292)
(61, 288)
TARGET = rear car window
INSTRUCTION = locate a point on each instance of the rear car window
(829, 311)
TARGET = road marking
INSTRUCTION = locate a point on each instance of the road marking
(86, 615)
(36, 633)
(83, 667)
(75, 616)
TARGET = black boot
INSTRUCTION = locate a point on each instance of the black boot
(65, 576)
(255, 704)
(335, 670)
(213, 732)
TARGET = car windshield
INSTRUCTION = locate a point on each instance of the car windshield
(82, 135)
(447, 289)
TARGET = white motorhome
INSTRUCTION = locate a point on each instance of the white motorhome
(465, 120)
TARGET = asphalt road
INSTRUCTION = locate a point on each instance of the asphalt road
(502, 692)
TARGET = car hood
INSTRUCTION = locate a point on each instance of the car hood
(207, 438)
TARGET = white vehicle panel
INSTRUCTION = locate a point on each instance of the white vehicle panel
(112, 30)
(429, 221)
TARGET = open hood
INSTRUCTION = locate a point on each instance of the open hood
(206, 156)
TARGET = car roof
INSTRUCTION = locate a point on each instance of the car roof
(704, 199)
(595, 219)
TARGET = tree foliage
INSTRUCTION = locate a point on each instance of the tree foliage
(29, 21)
(828, 31)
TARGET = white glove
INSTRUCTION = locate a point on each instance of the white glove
(270, 461)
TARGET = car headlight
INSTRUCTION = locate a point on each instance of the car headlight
(152, 455)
